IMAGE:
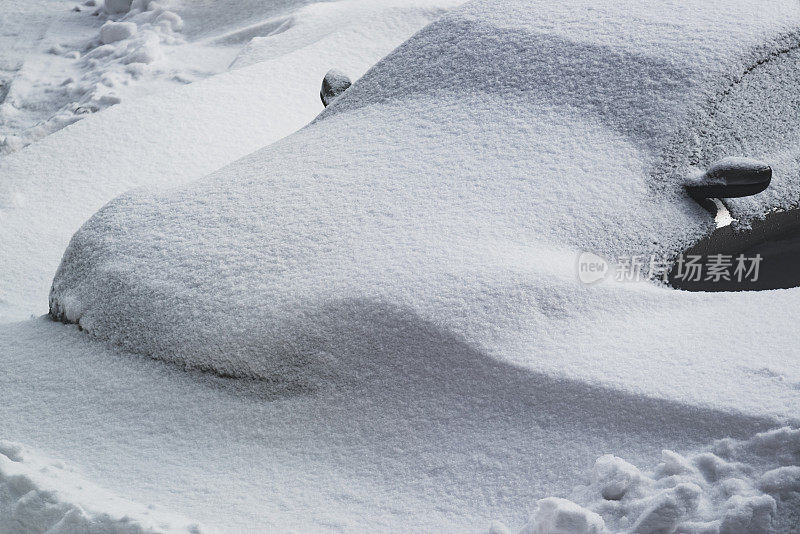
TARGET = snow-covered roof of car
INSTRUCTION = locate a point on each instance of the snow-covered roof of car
(440, 203)
(658, 73)
(633, 63)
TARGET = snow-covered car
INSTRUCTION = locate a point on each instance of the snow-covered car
(434, 212)
(493, 137)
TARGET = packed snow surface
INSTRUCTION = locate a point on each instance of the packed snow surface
(375, 323)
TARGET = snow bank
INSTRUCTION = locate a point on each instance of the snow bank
(39, 495)
(733, 488)
(49, 189)
(424, 433)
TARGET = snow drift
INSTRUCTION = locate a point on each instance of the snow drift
(433, 437)
(39, 495)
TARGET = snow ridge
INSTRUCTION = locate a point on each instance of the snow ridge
(39, 495)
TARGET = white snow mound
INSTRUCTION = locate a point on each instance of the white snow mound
(39, 495)
(560, 516)
(112, 32)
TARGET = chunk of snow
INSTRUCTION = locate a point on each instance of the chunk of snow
(781, 445)
(674, 464)
(614, 476)
(780, 480)
(668, 508)
(147, 52)
(714, 468)
(112, 32)
(171, 21)
(560, 516)
(748, 515)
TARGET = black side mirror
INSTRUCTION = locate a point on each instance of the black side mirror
(334, 83)
(731, 178)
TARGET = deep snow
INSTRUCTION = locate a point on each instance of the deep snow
(447, 444)
(39, 494)
(50, 188)
(375, 323)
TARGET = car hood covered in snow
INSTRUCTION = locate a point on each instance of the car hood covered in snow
(442, 202)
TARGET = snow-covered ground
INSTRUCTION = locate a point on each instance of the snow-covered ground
(375, 324)
(417, 447)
